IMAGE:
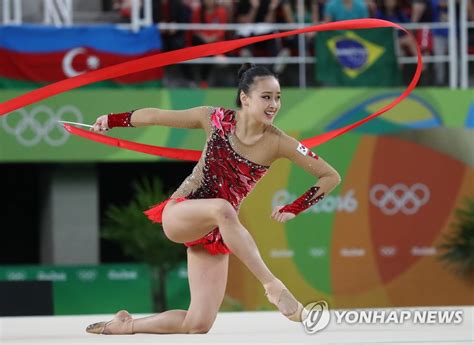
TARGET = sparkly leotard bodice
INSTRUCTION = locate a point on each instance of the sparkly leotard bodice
(229, 168)
(222, 172)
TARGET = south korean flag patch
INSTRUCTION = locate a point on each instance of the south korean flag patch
(302, 149)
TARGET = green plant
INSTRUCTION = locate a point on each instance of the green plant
(143, 240)
(231, 304)
(459, 245)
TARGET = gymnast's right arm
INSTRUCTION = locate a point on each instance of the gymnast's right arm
(188, 118)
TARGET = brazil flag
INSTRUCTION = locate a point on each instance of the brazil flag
(357, 58)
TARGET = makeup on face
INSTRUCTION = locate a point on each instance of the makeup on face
(268, 94)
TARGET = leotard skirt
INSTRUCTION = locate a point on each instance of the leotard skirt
(212, 242)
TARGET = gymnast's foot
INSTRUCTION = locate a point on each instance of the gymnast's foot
(278, 294)
(122, 323)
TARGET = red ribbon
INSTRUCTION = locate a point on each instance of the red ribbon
(190, 53)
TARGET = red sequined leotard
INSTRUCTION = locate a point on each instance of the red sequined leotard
(226, 171)
(226, 174)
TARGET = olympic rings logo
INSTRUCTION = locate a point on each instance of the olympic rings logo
(399, 198)
(30, 130)
(388, 251)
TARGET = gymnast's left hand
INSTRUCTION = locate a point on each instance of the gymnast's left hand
(281, 217)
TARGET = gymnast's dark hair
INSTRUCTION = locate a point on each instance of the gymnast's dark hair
(246, 77)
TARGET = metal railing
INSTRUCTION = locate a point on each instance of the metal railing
(302, 59)
(60, 13)
(465, 25)
(12, 13)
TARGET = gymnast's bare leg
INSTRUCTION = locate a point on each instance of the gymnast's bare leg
(187, 221)
(207, 276)
(191, 219)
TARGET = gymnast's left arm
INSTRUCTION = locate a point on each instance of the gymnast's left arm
(327, 177)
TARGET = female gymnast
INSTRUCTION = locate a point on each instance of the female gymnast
(203, 212)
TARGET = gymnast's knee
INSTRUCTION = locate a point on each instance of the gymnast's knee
(223, 211)
(199, 327)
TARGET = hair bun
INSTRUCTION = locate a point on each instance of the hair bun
(244, 68)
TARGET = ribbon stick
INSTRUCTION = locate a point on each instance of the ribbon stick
(190, 53)
(76, 123)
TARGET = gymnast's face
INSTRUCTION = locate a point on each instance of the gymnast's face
(263, 100)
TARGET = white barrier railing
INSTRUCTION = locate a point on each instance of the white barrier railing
(136, 20)
(465, 25)
(453, 49)
(302, 59)
(60, 13)
(12, 12)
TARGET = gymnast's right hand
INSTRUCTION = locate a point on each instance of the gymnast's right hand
(100, 125)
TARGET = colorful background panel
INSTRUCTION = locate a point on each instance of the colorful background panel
(374, 241)
(31, 134)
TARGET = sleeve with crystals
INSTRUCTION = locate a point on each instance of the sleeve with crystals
(328, 177)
